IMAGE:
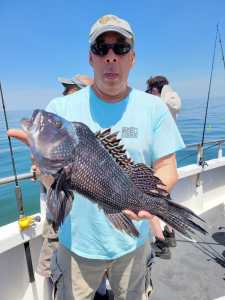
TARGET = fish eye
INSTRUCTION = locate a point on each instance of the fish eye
(36, 111)
(55, 122)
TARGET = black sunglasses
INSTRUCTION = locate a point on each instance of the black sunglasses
(102, 49)
(149, 90)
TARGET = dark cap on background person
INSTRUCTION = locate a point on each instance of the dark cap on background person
(110, 23)
(155, 84)
(159, 86)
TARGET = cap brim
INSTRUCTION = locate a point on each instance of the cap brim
(121, 31)
(67, 85)
(65, 81)
(70, 82)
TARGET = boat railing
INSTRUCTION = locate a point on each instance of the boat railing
(23, 176)
(200, 149)
(197, 146)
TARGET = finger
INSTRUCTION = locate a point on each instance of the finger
(131, 214)
(145, 215)
(35, 169)
(18, 134)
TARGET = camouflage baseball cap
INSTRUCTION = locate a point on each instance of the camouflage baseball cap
(110, 23)
(78, 80)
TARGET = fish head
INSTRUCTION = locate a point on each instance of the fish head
(52, 140)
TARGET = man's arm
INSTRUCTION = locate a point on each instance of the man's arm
(166, 169)
(22, 136)
(18, 134)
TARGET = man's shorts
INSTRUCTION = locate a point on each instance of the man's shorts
(50, 244)
(75, 277)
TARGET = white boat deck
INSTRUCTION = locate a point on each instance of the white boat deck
(195, 271)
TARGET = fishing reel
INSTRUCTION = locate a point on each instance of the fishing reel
(26, 222)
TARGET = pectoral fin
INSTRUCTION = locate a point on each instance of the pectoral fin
(122, 222)
(59, 198)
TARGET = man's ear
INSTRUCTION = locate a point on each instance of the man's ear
(90, 58)
(133, 58)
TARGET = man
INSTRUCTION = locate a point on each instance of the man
(89, 245)
(159, 86)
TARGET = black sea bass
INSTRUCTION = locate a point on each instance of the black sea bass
(97, 166)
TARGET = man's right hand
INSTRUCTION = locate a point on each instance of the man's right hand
(22, 136)
(18, 134)
(142, 214)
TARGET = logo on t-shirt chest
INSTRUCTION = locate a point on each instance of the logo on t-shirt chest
(129, 132)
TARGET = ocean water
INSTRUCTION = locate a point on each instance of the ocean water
(190, 122)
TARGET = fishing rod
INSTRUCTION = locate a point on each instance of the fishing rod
(24, 221)
(201, 159)
(202, 162)
(221, 46)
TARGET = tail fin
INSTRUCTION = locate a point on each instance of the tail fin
(179, 217)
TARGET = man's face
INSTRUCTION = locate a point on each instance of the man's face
(155, 92)
(111, 70)
(70, 89)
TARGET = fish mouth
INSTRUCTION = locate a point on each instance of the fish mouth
(34, 121)
(26, 124)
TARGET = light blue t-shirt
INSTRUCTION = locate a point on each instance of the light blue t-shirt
(148, 132)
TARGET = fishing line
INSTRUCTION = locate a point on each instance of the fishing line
(217, 257)
(205, 247)
(221, 46)
(19, 198)
(201, 160)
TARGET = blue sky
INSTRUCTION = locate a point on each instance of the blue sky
(41, 40)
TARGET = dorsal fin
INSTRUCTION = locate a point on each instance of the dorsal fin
(141, 175)
(112, 143)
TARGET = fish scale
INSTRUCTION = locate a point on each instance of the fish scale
(115, 187)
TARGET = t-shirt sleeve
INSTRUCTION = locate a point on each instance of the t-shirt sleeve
(166, 136)
(52, 106)
(59, 106)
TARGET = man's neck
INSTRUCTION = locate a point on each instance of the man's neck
(111, 98)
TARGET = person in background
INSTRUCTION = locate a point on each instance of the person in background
(74, 84)
(89, 244)
(159, 86)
